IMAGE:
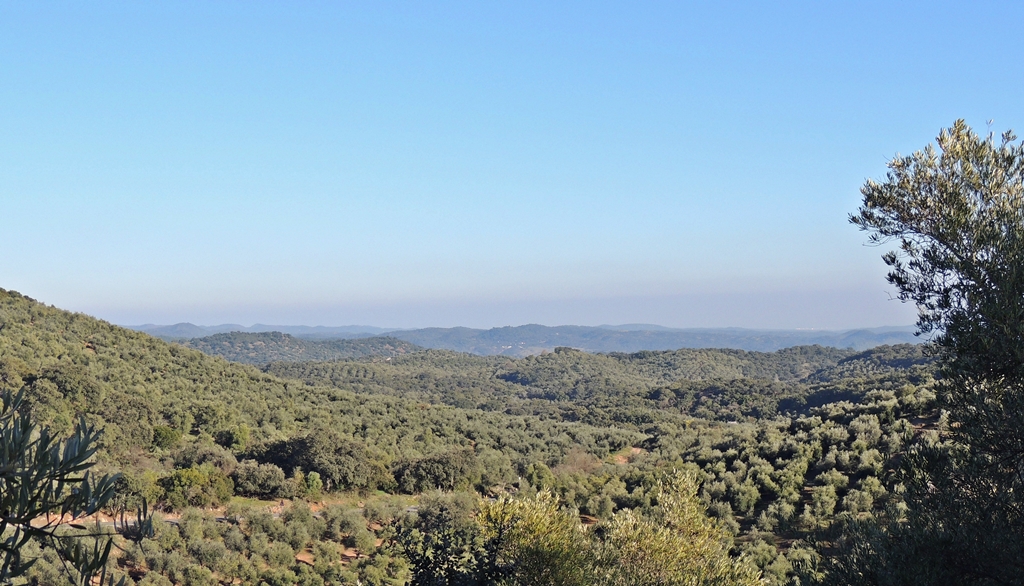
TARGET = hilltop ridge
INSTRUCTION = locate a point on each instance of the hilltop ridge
(531, 339)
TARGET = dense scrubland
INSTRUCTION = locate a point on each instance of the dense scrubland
(773, 447)
(264, 347)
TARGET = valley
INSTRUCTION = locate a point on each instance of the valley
(780, 445)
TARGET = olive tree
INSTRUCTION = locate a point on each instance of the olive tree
(677, 545)
(532, 540)
(46, 486)
(956, 213)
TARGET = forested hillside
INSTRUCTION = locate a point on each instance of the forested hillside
(261, 348)
(780, 445)
(142, 390)
(598, 389)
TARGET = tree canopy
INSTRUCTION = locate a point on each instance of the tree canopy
(956, 210)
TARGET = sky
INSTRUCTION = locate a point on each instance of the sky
(413, 164)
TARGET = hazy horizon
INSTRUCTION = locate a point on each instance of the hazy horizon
(777, 310)
(385, 330)
(475, 165)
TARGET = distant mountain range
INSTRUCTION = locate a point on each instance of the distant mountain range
(534, 339)
(186, 331)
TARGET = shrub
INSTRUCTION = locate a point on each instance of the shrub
(198, 486)
(263, 481)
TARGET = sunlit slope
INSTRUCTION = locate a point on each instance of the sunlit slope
(264, 347)
(130, 383)
(75, 363)
(629, 390)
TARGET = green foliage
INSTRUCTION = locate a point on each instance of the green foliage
(957, 213)
(340, 463)
(446, 471)
(197, 486)
(529, 540)
(235, 438)
(265, 347)
(443, 543)
(44, 481)
(533, 541)
(264, 481)
(136, 489)
(678, 545)
(314, 485)
(786, 442)
(149, 391)
(165, 437)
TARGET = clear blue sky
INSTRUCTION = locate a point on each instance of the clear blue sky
(481, 164)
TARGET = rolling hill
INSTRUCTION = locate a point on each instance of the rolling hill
(533, 339)
(261, 348)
